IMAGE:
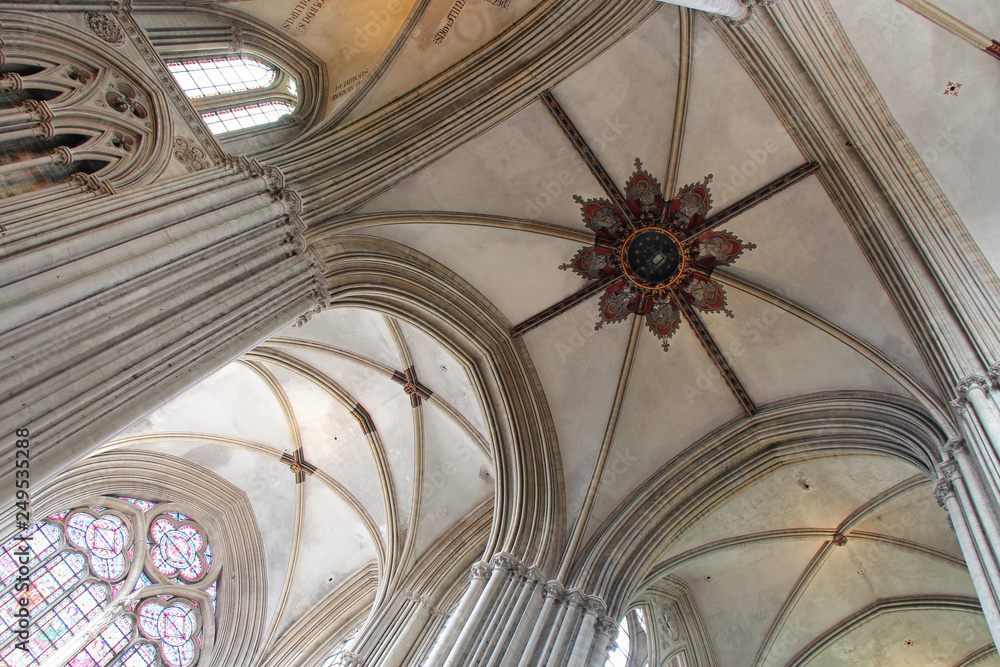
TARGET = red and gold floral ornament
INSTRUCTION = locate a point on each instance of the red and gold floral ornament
(655, 253)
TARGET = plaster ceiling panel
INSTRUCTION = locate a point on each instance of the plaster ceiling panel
(360, 331)
(332, 440)
(522, 168)
(731, 131)
(622, 102)
(837, 486)
(663, 413)
(444, 375)
(854, 577)
(440, 40)
(390, 411)
(518, 272)
(457, 478)
(579, 369)
(806, 253)
(333, 545)
(232, 402)
(912, 61)
(910, 639)
(747, 587)
(269, 486)
(777, 355)
(906, 517)
(351, 36)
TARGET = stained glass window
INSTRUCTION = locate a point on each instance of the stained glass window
(222, 87)
(631, 633)
(218, 76)
(251, 115)
(79, 563)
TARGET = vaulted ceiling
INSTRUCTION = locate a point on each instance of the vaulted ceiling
(810, 315)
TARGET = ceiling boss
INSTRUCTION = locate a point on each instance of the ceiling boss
(655, 254)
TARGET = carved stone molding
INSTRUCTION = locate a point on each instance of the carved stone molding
(943, 490)
(39, 111)
(11, 82)
(994, 374)
(959, 406)
(839, 539)
(61, 155)
(106, 27)
(90, 183)
(190, 155)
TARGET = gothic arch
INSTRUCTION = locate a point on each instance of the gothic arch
(386, 277)
(621, 561)
(222, 509)
(85, 102)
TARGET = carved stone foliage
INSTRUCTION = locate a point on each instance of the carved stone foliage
(106, 27)
(190, 155)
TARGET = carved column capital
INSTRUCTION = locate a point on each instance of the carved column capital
(481, 571)
(950, 469)
(955, 445)
(970, 382)
(743, 20)
(943, 490)
(594, 605)
(994, 374)
(554, 590)
(608, 627)
(61, 155)
(959, 406)
(505, 562)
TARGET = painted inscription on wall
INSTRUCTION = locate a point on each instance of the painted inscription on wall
(456, 9)
(302, 15)
(351, 84)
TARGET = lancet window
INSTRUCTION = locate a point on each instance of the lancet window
(236, 93)
(126, 583)
(632, 648)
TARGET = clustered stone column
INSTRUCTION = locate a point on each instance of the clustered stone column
(509, 618)
(969, 487)
(109, 306)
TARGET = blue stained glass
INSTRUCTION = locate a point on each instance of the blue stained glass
(42, 539)
(144, 505)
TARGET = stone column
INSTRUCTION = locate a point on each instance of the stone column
(605, 633)
(456, 623)
(502, 566)
(944, 492)
(110, 306)
(594, 608)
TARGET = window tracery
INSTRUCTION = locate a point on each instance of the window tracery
(104, 588)
(236, 93)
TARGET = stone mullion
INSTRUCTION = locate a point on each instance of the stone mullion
(958, 265)
(917, 296)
